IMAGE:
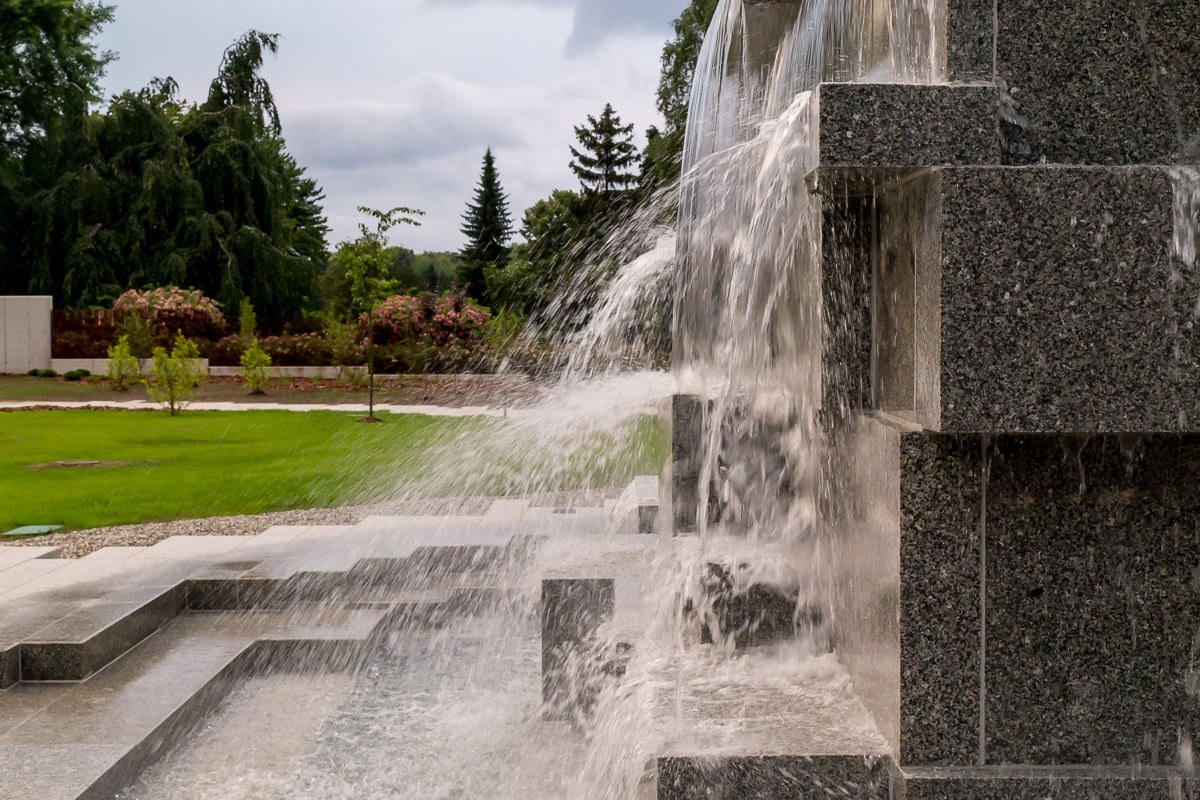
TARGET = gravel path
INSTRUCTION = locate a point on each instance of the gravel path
(76, 544)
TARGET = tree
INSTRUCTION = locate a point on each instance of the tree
(46, 60)
(487, 226)
(366, 262)
(48, 67)
(679, 57)
(606, 155)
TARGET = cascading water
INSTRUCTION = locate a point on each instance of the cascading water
(750, 325)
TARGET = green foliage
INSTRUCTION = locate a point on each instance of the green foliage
(175, 375)
(487, 226)
(247, 321)
(123, 368)
(602, 165)
(42, 373)
(137, 334)
(76, 375)
(153, 193)
(47, 62)
(679, 57)
(341, 336)
(254, 369)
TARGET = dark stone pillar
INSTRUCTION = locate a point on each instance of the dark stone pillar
(572, 661)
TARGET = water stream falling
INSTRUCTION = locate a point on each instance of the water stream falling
(455, 714)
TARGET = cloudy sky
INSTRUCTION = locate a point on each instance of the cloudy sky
(392, 102)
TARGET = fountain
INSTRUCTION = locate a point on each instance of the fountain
(930, 526)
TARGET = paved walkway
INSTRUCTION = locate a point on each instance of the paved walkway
(350, 408)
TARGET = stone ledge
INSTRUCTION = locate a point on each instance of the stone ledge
(908, 125)
(1059, 783)
(775, 777)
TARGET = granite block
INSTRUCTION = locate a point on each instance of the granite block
(687, 436)
(970, 39)
(1062, 308)
(1102, 82)
(1093, 599)
(572, 611)
(883, 125)
(68, 650)
(774, 778)
(1061, 787)
(215, 594)
(10, 666)
(940, 560)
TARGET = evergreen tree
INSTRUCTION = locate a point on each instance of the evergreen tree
(607, 153)
(487, 226)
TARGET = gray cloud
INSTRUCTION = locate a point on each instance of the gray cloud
(596, 20)
(438, 116)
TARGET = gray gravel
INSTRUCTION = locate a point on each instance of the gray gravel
(76, 544)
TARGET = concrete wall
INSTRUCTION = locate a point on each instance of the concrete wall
(25, 333)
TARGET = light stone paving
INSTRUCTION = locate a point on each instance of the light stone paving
(96, 730)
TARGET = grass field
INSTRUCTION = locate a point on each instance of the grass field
(88, 469)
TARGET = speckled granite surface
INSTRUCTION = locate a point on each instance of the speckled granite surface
(774, 778)
(1092, 599)
(876, 124)
(970, 39)
(939, 599)
(1103, 82)
(1058, 311)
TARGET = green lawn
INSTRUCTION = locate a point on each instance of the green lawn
(157, 467)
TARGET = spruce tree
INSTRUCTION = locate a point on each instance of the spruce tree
(602, 164)
(487, 226)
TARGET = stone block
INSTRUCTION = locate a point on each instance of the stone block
(1058, 306)
(1103, 82)
(1038, 299)
(774, 778)
(891, 124)
(687, 437)
(1065, 784)
(1093, 600)
(940, 623)
(572, 611)
(970, 40)
(1049, 599)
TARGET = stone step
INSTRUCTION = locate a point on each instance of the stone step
(12, 556)
(1050, 783)
(89, 740)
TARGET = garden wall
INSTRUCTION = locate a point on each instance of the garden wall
(25, 333)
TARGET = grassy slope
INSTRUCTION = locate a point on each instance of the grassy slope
(205, 463)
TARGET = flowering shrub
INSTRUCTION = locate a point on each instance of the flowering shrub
(296, 349)
(426, 332)
(445, 320)
(173, 310)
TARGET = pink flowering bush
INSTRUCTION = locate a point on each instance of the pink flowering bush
(297, 350)
(426, 332)
(171, 310)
